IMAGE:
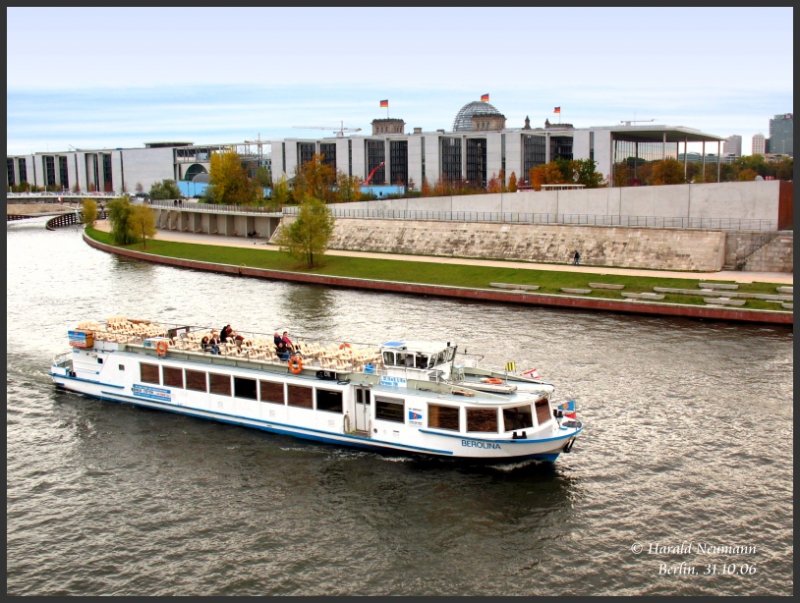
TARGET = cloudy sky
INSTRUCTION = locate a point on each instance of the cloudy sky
(121, 77)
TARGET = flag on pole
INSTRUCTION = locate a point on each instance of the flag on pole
(385, 103)
(569, 408)
(556, 109)
(484, 98)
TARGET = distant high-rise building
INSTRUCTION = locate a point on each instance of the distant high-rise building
(781, 139)
(732, 146)
(759, 144)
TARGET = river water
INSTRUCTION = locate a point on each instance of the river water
(682, 482)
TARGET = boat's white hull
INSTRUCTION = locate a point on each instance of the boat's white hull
(328, 427)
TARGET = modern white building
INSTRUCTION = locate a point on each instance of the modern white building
(732, 146)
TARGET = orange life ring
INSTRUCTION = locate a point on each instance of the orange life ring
(492, 380)
(162, 347)
(295, 365)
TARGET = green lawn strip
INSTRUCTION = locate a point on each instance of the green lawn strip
(456, 275)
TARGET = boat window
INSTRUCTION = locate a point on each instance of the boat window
(422, 361)
(173, 376)
(362, 396)
(196, 380)
(220, 384)
(244, 388)
(518, 417)
(389, 409)
(388, 358)
(542, 411)
(330, 401)
(300, 395)
(482, 419)
(271, 392)
(149, 373)
(443, 417)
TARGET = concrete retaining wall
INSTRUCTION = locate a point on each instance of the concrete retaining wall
(659, 249)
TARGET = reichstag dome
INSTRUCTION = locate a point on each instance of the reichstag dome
(464, 118)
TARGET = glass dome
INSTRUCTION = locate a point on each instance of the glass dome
(463, 120)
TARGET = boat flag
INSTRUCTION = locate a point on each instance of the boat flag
(385, 103)
(531, 373)
(556, 109)
(485, 98)
(569, 409)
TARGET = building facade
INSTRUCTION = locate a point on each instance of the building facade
(781, 134)
(759, 144)
(732, 147)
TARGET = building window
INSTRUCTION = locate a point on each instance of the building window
(443, 417)
(220, 384)
(350, 158)
(11, 179)
(591, 146)
(330, 401)
(271, 392)
(173, 377)
(196, 381)
(376, 153)
(244, 388)
(300, 396)
(518, 417)
(450, 153)
(22, 166)
(49, 163)
(482, 419)
(328, 151)
(108, 180)
(305, 153)
(398, 153)
(389, 409)
(476, 161)
(63, 173)
(148, 373)
(533, 153)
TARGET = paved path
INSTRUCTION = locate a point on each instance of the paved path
(782, 278)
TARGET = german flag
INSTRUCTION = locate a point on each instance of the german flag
(484, 98)
(385, 104)
(556, 109)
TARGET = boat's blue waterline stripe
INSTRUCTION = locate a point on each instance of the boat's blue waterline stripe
(273, 426)
(462, 436)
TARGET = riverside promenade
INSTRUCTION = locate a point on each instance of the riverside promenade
(530, 298)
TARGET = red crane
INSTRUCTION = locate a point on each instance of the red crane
(372, 173)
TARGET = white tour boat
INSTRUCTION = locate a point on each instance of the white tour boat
(408, 397)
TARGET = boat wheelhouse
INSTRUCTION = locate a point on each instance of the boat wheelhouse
(404, 396)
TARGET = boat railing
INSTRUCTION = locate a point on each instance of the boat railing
(63, 359)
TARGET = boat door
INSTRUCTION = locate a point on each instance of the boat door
(363, 408)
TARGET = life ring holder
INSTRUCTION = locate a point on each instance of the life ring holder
(161, 347)
(295, 364)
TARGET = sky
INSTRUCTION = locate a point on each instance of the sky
(92, 78)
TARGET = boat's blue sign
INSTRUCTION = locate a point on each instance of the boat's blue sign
(151, 393)
(480, 444)
(390, 381)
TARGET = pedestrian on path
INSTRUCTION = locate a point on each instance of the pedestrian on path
(576, 258)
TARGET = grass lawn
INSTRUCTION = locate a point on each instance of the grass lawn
(456, 275)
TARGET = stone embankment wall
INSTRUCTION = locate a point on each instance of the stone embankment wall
(659, 249)
(760, 252)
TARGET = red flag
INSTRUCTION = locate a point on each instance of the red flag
(557, 110)
(385, 104)
(485, 98)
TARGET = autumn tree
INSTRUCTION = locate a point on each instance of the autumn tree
(89, 211)
(512, 183)
(119, 214)
(425, 189)
(667, 171)
(348, 188)
(306, 238)
(494, 186)
(228, 183)
(314, 179)
(281, 195)
(142, 222)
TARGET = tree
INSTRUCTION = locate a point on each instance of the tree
(89, 211)
(228, 181)
(425, 189)
(263, 177)
(308, 235)
(494, 186)
(166, 189)
(119, 214)
(142, 222)
(512, 183)
(348, 188)
(667, 171)
(584, 173)
(281, 195)
(314, 179)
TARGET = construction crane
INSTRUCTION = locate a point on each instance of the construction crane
(339, 132)
(636, 121)
(368, 179)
